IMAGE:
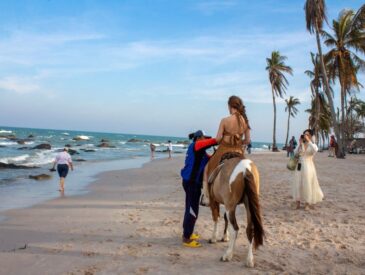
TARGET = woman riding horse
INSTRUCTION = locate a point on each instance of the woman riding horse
(230, 135)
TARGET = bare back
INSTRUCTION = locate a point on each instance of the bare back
(234, 125)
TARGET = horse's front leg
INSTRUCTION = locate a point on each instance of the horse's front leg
(233, 227)
(215, 215)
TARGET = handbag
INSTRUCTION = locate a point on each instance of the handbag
(293, 162)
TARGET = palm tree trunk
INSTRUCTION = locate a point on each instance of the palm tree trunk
(287, 132)
(343, 126)
(274, 148)
(328, 94)
(317, 116)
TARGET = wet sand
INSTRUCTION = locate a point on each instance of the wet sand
(131, 223)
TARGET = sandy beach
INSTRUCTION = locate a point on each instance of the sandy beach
(131, 223)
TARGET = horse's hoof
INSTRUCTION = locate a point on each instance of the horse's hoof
(224, 240)
(212, 241)
(250, 264)
(226, 258)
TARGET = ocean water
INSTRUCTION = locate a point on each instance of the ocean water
(17, 190)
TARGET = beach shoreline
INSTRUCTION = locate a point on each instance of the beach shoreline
(130, 223)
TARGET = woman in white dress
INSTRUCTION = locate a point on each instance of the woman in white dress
(305, 186)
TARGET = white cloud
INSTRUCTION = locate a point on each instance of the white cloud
(18, 85)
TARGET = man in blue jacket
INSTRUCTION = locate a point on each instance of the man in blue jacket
(192, 175)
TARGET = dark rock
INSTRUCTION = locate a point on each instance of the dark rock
(40, 177)
(45, 146)
(11, 137)
(21, 141)
(67, 145)
(72, 152)
(80, 160)
(105, 145)
(134, 140)
(14, 166)
(2, 146)
(104, 140)
(88, 150)
(23, 148)
(31, 136)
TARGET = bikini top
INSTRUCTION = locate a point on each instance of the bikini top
(235, 140)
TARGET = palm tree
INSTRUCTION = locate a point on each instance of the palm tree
(315, 84)
(292, 110)
(343, 62)
(320, 109)
(315, 14)
(276, 68)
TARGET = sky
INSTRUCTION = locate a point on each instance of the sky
(152, 67)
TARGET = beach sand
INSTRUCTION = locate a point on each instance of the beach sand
(131, 223)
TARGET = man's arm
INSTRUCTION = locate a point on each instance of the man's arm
(204, 144)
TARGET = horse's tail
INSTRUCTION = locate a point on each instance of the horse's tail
(254, 208)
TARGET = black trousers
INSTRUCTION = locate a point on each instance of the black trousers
(193, 192)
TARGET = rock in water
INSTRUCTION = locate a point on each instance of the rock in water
(81, 138)
(40, 177)
(104, 140)
(72, 152)
(45, 146)
(105, 145)
(134, 140)
(88, 150)
(14, 166)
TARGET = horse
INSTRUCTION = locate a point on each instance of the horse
(235, 181)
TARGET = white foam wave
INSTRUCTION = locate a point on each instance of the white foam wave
(5, 131)
(122, 142)
(65, 134)
(29, 142)
(16, 159)
(41, 158)
(8, 143)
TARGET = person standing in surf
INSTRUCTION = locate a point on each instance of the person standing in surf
(64, 162)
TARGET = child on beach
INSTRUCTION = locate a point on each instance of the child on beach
(169, 148)
(192, 175)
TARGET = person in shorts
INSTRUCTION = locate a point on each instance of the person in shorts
(64, 162)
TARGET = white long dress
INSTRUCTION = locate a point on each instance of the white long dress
(305, 186)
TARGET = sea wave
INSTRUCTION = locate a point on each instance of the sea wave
(5, 131)
(16, 159)
(8, 143)
(41, 158)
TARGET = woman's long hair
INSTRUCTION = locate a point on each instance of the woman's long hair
(236, 103)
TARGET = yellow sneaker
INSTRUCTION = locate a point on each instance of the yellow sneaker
(192, 244)
(194, 236)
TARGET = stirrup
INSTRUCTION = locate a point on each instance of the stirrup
(192, 244)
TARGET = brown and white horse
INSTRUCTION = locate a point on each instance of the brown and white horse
(236, 181)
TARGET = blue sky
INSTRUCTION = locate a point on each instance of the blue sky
(151, 67)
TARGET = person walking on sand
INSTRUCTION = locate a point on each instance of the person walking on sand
(192, 177)
(230, 135)
(305, 184)
(291, 147)
(153, 149)
(63, 161)
(169, 148)
(332, 147)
